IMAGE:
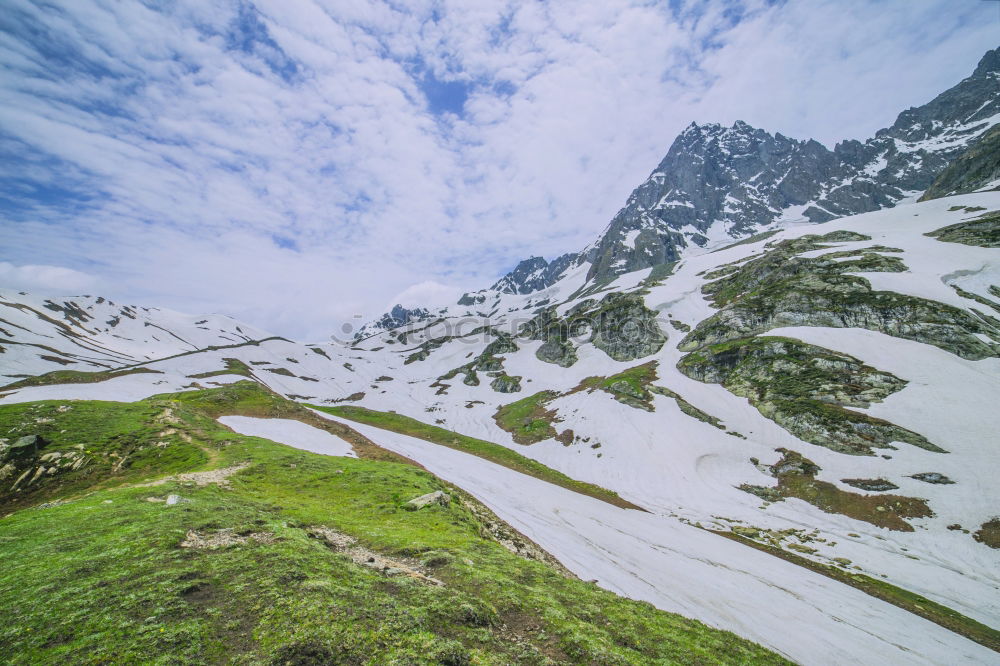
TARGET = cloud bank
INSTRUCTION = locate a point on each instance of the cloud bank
(295, 164)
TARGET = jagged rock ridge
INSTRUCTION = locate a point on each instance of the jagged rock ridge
(398, 316)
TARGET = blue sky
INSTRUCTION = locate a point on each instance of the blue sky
(294, 164)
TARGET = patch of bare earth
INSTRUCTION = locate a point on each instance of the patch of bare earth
(348, 545)
(216, 476)
(223, 538)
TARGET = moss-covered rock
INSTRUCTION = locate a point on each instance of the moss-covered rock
(783, 289)
(871, 485)
(506, 384)
(806, 389)
(620, 325)
(559, 352)
(983, 231)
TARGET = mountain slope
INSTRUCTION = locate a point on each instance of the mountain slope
(879, 306)
(88, 333)
(978, 168)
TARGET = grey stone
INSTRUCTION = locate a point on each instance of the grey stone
(506, 384)
(27, 444)
(932, 477)
(436, 497)
(561, 353)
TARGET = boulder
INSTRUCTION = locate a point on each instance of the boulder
(29, 444)
(506, 384)
(932, 477)
(436, 497)
(562, 353)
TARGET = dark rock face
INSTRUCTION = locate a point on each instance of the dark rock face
(973, 170)
(932, 477)
(739, 177)
(398, 316)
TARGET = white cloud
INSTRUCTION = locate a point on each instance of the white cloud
(139, 146)
(428, 294)
(46, 279)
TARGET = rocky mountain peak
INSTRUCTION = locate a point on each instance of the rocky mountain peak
(534, 274)
(989, 64)
(394, 318)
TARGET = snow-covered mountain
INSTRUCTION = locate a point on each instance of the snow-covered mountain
(394, 318)
(717, 184)
(91, 333)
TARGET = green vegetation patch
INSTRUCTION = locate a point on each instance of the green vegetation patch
(236, 574)
(527, 420)
(989, 533)
(634, 387)
(81, 444)
(796, 477)
(74, 377)
(806, 390)
(234, 366)
(983, 231)
(495, 453)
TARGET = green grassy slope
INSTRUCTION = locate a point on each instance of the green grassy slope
(94, 572)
